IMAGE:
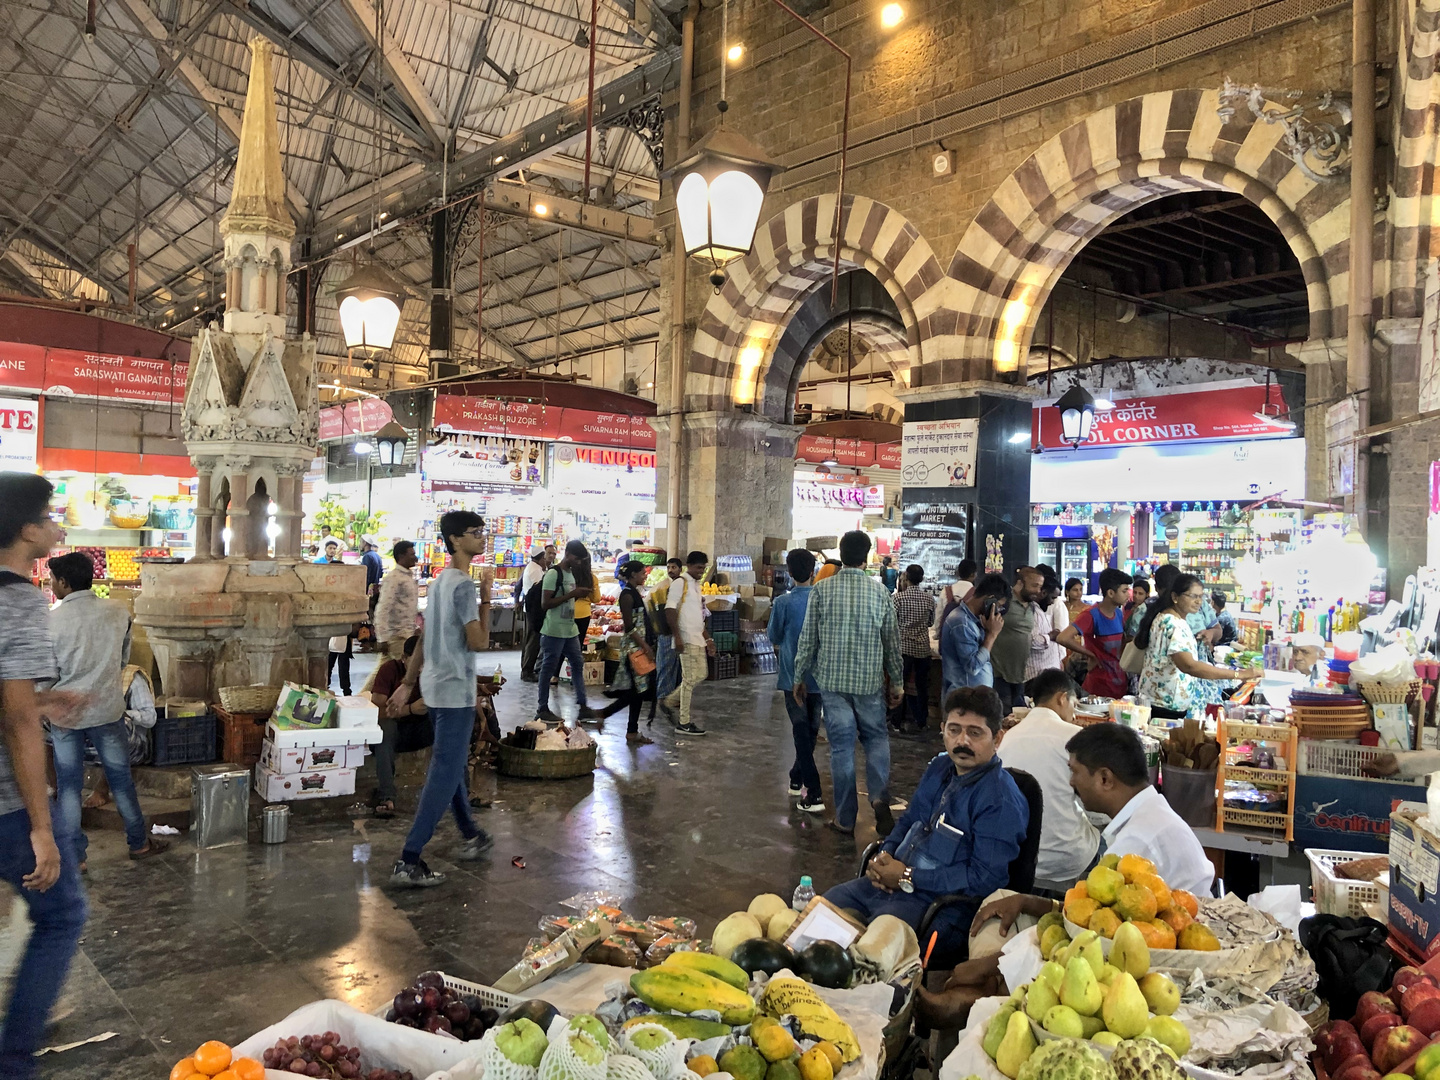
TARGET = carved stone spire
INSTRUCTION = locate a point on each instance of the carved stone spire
(257, 201)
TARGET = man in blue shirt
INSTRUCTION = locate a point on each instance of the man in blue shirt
(787, 616)
(969, 632)
(960, 833)
(374, 571)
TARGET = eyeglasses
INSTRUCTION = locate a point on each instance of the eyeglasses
(1194, 596)
(477, 532)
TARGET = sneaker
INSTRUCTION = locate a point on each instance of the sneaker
(530, 678)
(415, 875)
(808, 806)
(795, 790)
(884, 819)
(592, 717)
(689, 729)
(549, 717)
(837, 827)
(634, 738)
(476, 846)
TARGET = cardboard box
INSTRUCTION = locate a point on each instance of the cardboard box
(287, 739)
(1414, 880)
(356, 711)
(594, 672)
(296, 759)
(755, 608)
(1348, 814)
(321, 784)
(176, 709)
(304, 707)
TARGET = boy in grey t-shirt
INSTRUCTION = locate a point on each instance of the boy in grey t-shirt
(444, 668)
(30, 859)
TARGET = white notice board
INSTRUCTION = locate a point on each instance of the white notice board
(939, 453)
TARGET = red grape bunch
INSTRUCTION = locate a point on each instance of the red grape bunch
(429, 1005)
(324, 1056)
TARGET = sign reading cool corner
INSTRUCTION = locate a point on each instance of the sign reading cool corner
(19, 434)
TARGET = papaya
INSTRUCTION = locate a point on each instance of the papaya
(710, 964)
(683, 1027)
(668, 989)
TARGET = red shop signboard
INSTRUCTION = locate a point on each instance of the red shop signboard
(531, 420)
(72, 373)
(1194, 416)
(367, 415)
(850, 452)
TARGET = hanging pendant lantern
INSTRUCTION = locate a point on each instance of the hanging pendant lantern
(370, 302)
(1077, 415)
(719, 191)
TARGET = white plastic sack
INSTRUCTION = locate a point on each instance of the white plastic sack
(382, 1044)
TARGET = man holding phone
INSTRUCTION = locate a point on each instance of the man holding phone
(970, 632)
(961, 831)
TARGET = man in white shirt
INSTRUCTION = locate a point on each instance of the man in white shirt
(399, 603)
(530, 613)
(685, 614)
(1050, 617)
(1108, 772)
(1037, 745)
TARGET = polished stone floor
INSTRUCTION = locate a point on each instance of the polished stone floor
(219, 944)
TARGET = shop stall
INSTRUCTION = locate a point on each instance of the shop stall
(845, 484)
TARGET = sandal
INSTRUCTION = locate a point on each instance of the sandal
(152, 847)
(385, 808)
(95, 801)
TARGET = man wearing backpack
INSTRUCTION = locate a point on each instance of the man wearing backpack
(528, 595)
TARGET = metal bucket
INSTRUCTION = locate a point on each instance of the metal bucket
(274, 824)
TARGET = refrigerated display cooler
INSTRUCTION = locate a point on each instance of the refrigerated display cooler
(1067, 548)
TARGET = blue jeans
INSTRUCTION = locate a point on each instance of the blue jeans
(667, 666)
(872, 902)
(554, 650)
(59, 918)
(845, 714)
(804, 728)
(444, 781)
(112, 743)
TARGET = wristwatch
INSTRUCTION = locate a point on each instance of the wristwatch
(906, 884)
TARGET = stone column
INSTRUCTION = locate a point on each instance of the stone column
(282, 298)
(204, 513)
(262, 289)
(288, 518)
(239, 514)
(738, 481)
(232, 286)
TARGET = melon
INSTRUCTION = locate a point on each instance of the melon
(734, 929)
(765, 907)
(780, 924)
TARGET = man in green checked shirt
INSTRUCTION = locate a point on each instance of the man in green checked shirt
(850, 643)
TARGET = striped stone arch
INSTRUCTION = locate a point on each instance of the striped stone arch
(1106, 165)
(1415, 242)
(730, 361)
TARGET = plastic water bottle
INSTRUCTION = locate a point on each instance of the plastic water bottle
(804, 893)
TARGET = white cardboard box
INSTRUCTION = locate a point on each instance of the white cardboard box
(288, 739)
(357, 711)
(296, 759)
(319, 784)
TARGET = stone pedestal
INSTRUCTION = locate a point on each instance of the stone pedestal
(239, 622)
(998, 505)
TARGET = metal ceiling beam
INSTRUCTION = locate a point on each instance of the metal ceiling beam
(398, 68)
(540, 139)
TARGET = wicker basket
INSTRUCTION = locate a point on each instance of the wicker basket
(1389, 693)
(546, 764)
(250, 699)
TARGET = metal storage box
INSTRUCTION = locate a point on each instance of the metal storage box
(219, 805)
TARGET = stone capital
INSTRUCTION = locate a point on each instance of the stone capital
(741, 430)
(1320, 351)
(988, 387)
(1398, 331)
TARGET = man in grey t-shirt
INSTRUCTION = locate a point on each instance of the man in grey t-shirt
(30, 860)
(444, 668)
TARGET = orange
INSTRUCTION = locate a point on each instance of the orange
(1182, 899)
(1135, 903)
(1080, 891)
(228, 1074)
(247, 1069)
(1175, 918)
(1104, 922)
(1156, 934)
(212, 1058)
(1156, 885)
(183, 1068)
(1131, 866)
(1080, 912)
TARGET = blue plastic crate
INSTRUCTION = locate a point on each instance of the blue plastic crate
(722, 622)
(185, 740)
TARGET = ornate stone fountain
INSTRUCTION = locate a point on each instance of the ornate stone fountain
(237, 614)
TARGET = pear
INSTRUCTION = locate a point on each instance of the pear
(1053, 974)
(1081, 990)
(1124, 1008)
(1107, 975)
(1016, 1047)
(1052, 940)
(1161, 993)
(1168, 1032)
(1040, 1000)
(1106, 1038)
(1090, 1026)
(1128, 950)
(995, 1031)
(1064, 1021)
(1094, 955)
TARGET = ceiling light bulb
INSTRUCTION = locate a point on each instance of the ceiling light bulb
(363, 448)
(735, 53)
(541, 209)
(891, 16)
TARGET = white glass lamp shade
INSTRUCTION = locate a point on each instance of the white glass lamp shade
(390, 444)
(1077, 415)
(369, 324)
(718, 218)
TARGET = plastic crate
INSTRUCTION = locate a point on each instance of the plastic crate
(184, 740)
(726, 641)
(722, 622)
(241, 735)
(1319, 757)
(495, 999)
(724, 666)
(1335, 895)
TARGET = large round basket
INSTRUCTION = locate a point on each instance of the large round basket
(250, 699)
(546, 764)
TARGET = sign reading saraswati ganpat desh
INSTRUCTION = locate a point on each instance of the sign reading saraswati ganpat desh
(939, 453)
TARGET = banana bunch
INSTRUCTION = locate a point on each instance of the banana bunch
(797, 998)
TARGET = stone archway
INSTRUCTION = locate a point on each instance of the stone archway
(1106, 165)
(735, 341)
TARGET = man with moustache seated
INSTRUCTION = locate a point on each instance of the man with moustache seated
(962, 830)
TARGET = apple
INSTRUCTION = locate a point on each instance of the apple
(1343, 1046)
(1359, 1072)
(1376, 1024)
(1417, 993)
(1354, 1061)
(1426, 1017)
(1372, 1002)
(1327, 1033)
(1409, 975)
(1395, 1044)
